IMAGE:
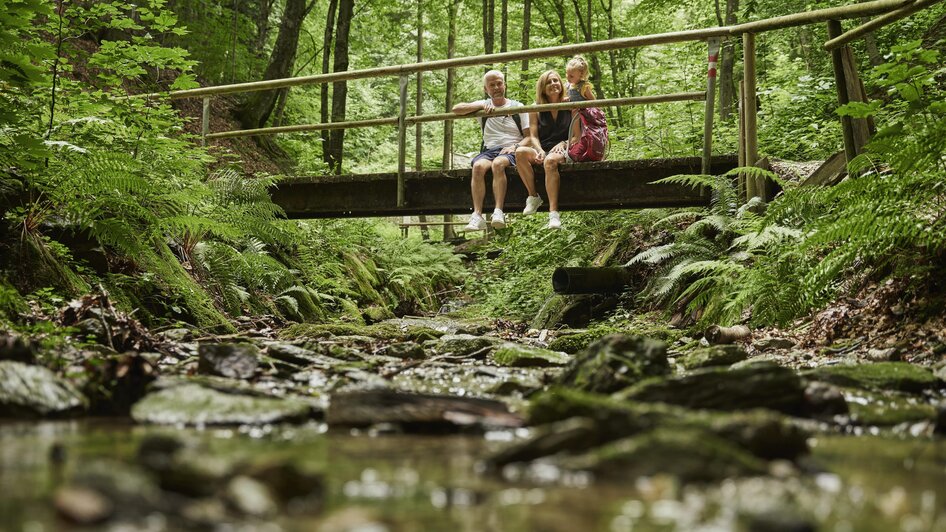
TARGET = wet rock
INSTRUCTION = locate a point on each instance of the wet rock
(192, 404)
(756, 386)
(520, 356)
(883, 355)
(82, 506)
(290, 353)
(718, 355)
(823, 400)
(510, 387)
(195, 474)
(292, 486)
(250, 497)
(616, 362)
(31, 391)
(385, 330)
(234, 361)
(157, 451)
(131, 492)
(463, 344)
(901, 376)
(771, 342)
(176, 335)
(403, 350)
(886, 409)
(688, 454)
(474, 327)
(17, 348)
(417, 412)
(764, 433)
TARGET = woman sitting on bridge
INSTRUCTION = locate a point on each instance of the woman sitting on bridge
(545, 145)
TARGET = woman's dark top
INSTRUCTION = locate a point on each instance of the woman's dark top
(551, 132)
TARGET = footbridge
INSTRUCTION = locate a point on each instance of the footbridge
(584, 186)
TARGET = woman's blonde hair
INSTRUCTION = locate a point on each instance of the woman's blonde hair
(541, 84)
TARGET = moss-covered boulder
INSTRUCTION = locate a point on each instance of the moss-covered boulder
(521, 356)
(377, 313)
(690, 454)
(34, 391)
(573, 342)
(755, 386)
(463, 344)
(403, 350)
(887, 409)
(717, 355)
(193, 404)
(231, 360)
(900, 376)
(616, 362)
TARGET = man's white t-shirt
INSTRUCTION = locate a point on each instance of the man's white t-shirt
(501, 131)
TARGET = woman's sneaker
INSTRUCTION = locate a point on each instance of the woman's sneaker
(498, 221)
(477, 223)
(555, 221)
(532, 204)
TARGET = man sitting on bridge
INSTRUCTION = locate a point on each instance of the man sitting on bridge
(501, 136)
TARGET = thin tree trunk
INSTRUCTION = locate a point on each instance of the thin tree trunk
(340, 88)
(419, 108)
(526, 24)
(870, 43)
(504, 26)
(613, 63)
(447, 162)
(727, 87)
(585, 24)
(488, 7)
(256, 111)
(326, 61)
(262, 24)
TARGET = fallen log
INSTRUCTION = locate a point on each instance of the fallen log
(716, 334)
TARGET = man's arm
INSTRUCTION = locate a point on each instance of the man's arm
(468, 107)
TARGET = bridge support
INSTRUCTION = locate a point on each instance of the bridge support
(712, 56)
(850, 89)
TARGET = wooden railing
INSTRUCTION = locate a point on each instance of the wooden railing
(845, 74)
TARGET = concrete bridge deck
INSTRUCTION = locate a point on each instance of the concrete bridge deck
(584, 186)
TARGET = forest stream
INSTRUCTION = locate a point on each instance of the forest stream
(441, 423)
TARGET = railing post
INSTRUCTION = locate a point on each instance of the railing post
(402, 141)
(205, 122)
(712, 57)
(754, 187)
(856, 131)
(741, 146)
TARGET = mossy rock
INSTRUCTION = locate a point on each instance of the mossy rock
(521, 356)
(463, 344)
(688, 454)
(422, 334)
(409, 350)
(377, 313)
(757, 386)
(899, 376)
(616, 362)
(326, 330)
(12, 303)
(717, 355)
(193, 404)
(34, 391)
(572, 343)
(887, 409)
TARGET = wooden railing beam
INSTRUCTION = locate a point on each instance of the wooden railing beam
(877, 23)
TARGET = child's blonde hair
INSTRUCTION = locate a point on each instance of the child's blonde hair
(578, 63)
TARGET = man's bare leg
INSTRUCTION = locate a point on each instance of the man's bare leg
(499, 180)
(478, 184)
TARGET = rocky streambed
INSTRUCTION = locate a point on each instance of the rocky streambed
(440, 423)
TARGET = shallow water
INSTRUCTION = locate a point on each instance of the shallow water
(414, 483)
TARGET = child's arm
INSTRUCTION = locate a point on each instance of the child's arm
(587, 92)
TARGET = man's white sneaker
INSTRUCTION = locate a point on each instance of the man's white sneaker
(477, 223)
(498, 221)
(532, 204)
(555, 221)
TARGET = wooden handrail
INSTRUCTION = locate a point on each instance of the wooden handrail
(440, 117)
(878, 22)
(798, 19)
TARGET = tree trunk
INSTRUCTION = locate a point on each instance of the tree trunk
(585, 24)
(255, 112)
(326, 60)
(613, 63)
(526, 24)
(488, 7)
(870, 43)
(340, 88)
(504, 26)
(447, 162)
(727, 87)
(262, 24)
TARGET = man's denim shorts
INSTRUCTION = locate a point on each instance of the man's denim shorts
(493, 153)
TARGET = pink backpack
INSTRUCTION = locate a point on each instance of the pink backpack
(593, 143)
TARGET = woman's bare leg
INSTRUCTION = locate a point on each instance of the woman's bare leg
(525, 158)
(552, 178)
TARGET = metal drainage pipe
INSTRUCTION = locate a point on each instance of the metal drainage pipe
(590, 280)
